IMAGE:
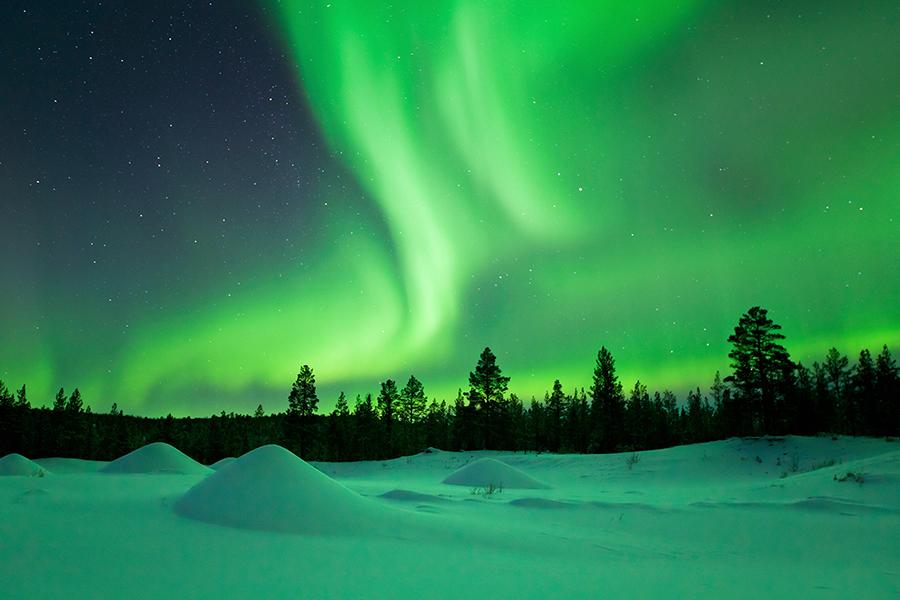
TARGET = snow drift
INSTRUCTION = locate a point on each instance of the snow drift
(271, 489)
(491, 472)
(16, 464)
(158, 457)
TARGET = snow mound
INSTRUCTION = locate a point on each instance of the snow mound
(489, 471)
(157, 457)
(271, 489)
(221, 463)
(16, 464)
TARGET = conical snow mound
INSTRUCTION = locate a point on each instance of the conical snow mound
(16, 464)
(271, 489)
(158, 457)
(491, 472)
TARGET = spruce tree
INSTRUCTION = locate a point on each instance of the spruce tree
(259, 412)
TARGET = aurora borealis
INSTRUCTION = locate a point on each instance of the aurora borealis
(197, 199)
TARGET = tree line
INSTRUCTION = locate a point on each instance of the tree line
(764, 393)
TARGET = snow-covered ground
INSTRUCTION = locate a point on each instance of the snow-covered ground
(774, 518)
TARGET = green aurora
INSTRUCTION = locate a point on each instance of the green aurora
(544, 180)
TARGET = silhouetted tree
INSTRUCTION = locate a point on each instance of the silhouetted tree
(837, 373)
(59, 402)
(607, 404)
(555, 403)
(388, 398)
(75, 403)
(637, 417)
(410, 414)
(22, 398)
(487, 386)
(758, 365)
(865, 398)
(302, 405)
(887, 386)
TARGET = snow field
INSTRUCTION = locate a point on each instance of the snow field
(776, 518)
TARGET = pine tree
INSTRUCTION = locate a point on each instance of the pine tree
(303, 401)
(411, 408)
(75, 404)
(607, 404)
(341, 408)
(862, 382)
(340, 425)
(366, 429)
(22, 398)
(887, 385)
(6, 398)
(758, 364)
(555, 403)
(302, 405)
(59, 403)
(388, 399)
(837, 373)
(696, 418)
(259, 412)
(637, 417)
(487, 386)
(825, 415)
(806, 420)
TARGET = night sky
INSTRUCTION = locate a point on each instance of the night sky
(196, 198)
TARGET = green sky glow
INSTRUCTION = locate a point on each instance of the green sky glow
(547, 180)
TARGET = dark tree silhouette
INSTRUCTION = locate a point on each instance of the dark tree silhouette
(759, 362)
(607, 404)
(837, 373)
(302, 405)
(487, 386)
(59, 402)
(887, 386)
(388, 399)
(556, 402)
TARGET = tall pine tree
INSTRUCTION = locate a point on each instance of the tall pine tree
(758, 362)
(607, 405)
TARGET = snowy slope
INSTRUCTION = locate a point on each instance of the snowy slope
(731, 519)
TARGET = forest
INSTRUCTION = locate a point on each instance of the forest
(765, 393)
